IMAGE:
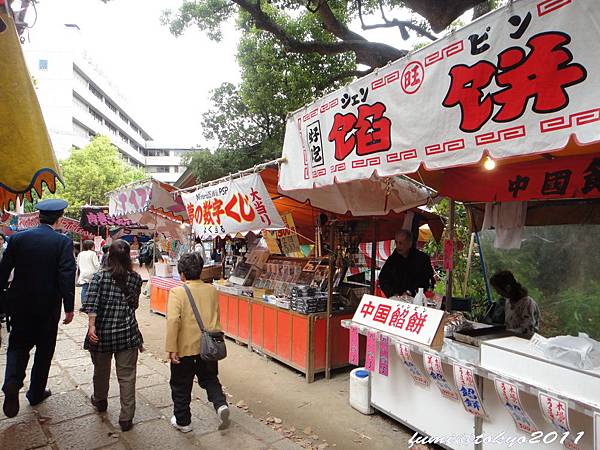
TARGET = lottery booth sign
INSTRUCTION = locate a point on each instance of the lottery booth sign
(234, 206)
(515, 82)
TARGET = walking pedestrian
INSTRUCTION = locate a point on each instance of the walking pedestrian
(44, 277)
(112, 298)
(183, 344)
(88, 265)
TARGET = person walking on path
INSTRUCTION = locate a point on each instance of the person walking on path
(183, 344)
(112, 298)
(44, 277)
(88, 265)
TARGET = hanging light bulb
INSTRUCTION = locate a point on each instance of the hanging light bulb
(489, 163)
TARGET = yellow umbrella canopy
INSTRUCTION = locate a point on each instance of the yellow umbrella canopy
(28, 160)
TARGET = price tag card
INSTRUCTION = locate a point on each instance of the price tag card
(384, 349)
(509, 396)
(556, 412)
(464, 378)
(371, 351)
(404, 353)
(353, 352)
(433, 365)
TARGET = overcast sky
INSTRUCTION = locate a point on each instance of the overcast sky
(165, 80)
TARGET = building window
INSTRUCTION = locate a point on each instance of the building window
(96, 92)
(96, 115)
(111, 106)
(158, 169)
(43, 64)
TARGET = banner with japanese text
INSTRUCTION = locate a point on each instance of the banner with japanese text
(133, 199)
(235, 206)
(521, 80)
(416, 323)
(66, 224)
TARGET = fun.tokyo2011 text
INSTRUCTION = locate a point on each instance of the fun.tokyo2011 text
(502, 438)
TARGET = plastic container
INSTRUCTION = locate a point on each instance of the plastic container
(360, 390)
(419, 298)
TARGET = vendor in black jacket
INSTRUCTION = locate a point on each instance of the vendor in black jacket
(407, 269)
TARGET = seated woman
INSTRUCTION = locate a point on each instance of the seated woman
(521, 312)
(183, 344)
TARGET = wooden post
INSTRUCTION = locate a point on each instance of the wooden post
(329, 301)
(223, 254)
(469, 259)
(373, 256)
(449, 271)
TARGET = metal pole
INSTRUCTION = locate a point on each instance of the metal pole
(329, 302)
(484, 269)
(449, 271)
(373, 256)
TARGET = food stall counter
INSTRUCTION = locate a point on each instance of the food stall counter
(509, 360)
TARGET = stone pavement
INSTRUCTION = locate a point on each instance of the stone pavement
(67, 420)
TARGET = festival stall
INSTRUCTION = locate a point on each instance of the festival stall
(28, 161)
(278, 304)
(514, 90)
(152, 205)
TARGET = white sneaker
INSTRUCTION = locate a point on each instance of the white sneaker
(223, 413)
(182, 428)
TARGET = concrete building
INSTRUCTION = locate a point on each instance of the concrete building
(78, 103)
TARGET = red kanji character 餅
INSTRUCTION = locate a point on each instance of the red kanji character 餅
(343, 124)
(466, 90)
(217, 210)
(207, 218)
(374, 130)
(398, 318)
(248, 216)
(543, 75)
(416, 322)
(382, 313)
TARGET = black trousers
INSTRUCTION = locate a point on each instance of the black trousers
(30, 331)
(182, 380)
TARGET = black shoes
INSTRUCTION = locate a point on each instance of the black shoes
(11, 402)
(126, 425)
(100, 405)
(47, 393)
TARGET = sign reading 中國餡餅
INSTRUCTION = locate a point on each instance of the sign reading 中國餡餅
(416, 323)
(464, 378)
(509, 396)
(235, 206)
(433, 365)
(515, 82)
(556, 412)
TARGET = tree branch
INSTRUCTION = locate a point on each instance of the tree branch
(440, 13)
(371, 54)
(481, 9)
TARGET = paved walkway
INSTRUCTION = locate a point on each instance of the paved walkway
(67, 420)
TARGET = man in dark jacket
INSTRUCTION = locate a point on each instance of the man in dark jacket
(44, 277)
(407, 269)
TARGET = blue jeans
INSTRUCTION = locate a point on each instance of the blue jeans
(84, 291)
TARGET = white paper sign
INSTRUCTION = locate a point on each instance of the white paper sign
(132, 200)
(464, 378)
(416, 323)
(403, 352)
(556, 412)
(520, 80)
(234, 206)
(509, 396)
(433, 365)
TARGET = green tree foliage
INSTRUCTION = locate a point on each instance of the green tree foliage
(91, 172)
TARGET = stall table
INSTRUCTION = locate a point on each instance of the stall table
(426, 411)
(297, 340)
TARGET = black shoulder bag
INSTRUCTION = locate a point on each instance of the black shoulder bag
(212, 344)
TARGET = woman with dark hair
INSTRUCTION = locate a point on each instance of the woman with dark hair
(183, 343)
(112, 299)
(88, 265)
(521, 312)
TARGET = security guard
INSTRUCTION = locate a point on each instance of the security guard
(44, 276)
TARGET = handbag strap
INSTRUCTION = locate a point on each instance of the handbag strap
(194, 307)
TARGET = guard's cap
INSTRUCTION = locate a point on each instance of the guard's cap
(52, 205)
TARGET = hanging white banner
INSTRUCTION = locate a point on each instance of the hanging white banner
(518, 81)
(235, 206)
